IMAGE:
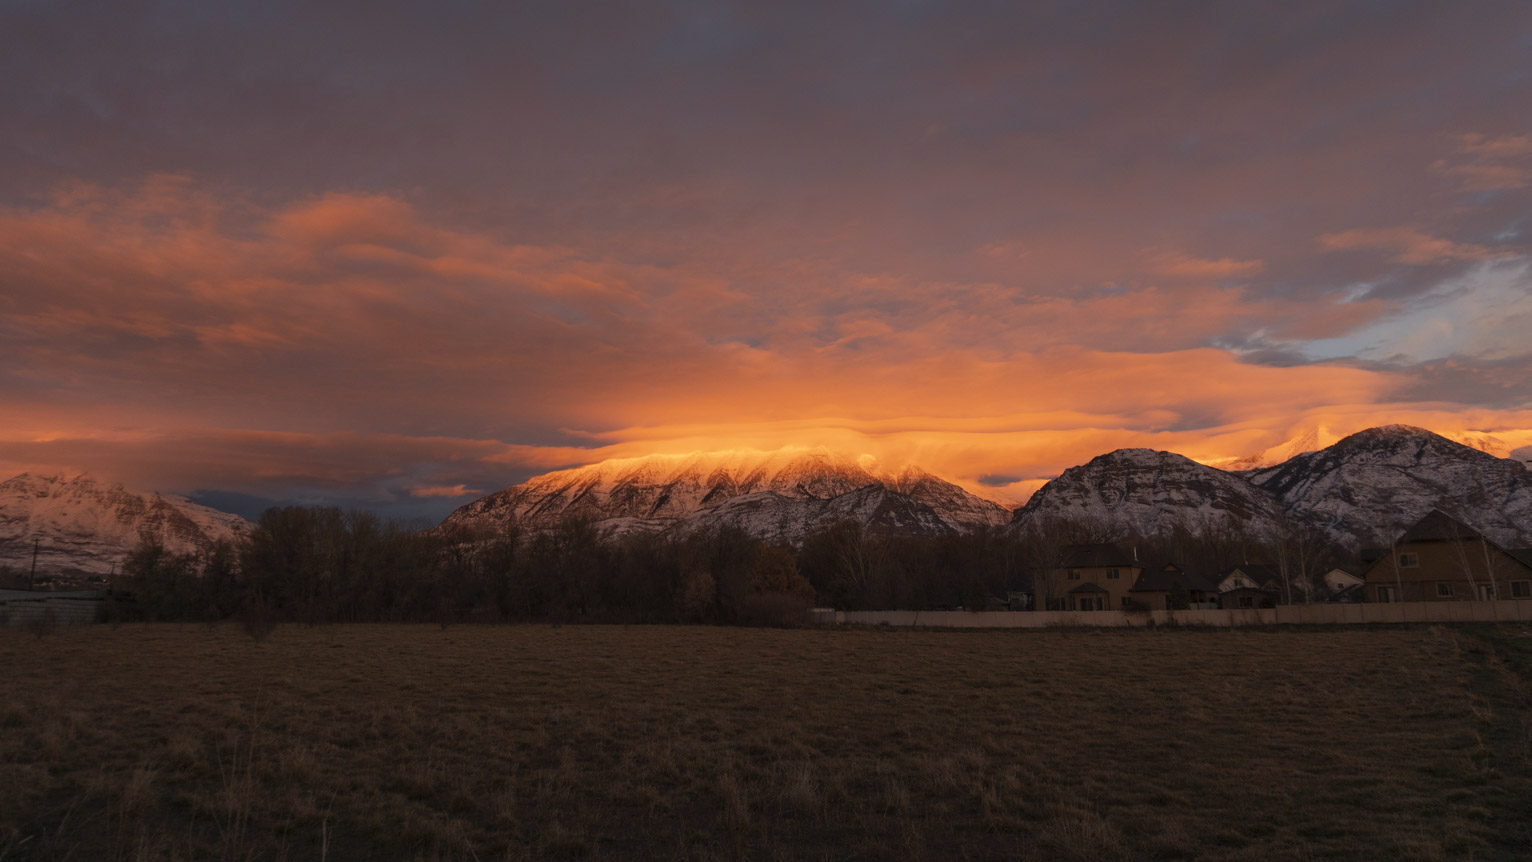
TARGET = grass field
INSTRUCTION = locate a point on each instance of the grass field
(405, 742)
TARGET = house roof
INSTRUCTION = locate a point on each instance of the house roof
(1438, 526)
(1524, 555)
(1097, 555)
(1348, 591)
(1087, 587)
(1169, 576)
(1258, 573)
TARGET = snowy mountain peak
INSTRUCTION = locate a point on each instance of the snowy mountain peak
(78, 523)
(793, 489)
(1371, 485)
(1151, 492)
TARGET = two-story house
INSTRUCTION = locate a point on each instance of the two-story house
(1441, 559)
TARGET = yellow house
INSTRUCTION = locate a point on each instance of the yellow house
(1441, 559)
(1094, 577)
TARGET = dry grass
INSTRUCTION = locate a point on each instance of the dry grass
(411, 742)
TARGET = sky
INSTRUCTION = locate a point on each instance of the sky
(398, 255)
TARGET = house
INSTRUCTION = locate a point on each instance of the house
(1340, 581)
(1350, 595)
(1090, 577)
(1246, 598)
(1441, 559)
(1339, 585)
(1166, 586)
(1251, 585)
(1256, 576)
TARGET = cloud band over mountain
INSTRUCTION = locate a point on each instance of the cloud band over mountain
(992, 243)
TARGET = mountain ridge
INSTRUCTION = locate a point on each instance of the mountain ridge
(79, 524)
(664, 491)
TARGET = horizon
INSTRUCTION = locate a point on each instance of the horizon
(251, 507)
(387, 259)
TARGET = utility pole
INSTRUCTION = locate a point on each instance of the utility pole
(32, 580)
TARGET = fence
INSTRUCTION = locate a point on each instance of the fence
(1505, 610)
(25, 607)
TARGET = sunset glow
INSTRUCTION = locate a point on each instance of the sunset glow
(403, 263)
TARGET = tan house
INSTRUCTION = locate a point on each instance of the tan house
(1094, 577)
(1441, 559)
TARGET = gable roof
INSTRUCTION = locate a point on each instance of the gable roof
(1438, 526)
(1258, 573)
(1169, 576)
(1096, 555)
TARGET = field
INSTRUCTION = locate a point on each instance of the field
(605, 742)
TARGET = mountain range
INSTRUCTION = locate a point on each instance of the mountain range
(778, 496)
(80, 525)
(1363, 489)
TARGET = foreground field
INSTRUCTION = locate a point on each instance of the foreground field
(395, 742)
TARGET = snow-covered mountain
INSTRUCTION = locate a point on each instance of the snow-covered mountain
(1364, 489)
(1150, 492)
(1373, 484)
(781, 495)
(1318, 437)
(79, 524)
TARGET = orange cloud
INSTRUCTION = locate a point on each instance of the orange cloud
(459, 490)
(1410, 245)
(1183, 265)
(348, 341)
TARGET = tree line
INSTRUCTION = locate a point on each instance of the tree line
(322, 564)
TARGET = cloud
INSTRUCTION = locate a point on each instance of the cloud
(318, 253)
(1410, 246)
(1175, 263)
(1483, 163)
(451, 491)
(349, 347)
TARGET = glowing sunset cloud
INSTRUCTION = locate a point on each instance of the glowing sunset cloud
(994, 244)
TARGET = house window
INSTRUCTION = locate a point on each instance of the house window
(1409, 561)
(1521, 589)
(1443, 588)
(1240, 582)
(1388, 594)
(1074, 574)
(1112, 574)
(1247, 601)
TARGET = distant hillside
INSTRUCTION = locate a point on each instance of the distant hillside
(1148, 492)
(782, 495)
(80, 525)
(1369, 486)
(1361, 490)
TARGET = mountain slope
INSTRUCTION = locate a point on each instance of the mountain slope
(1371, 485)
(1150, 492)
(784, 495)
(79, 524)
